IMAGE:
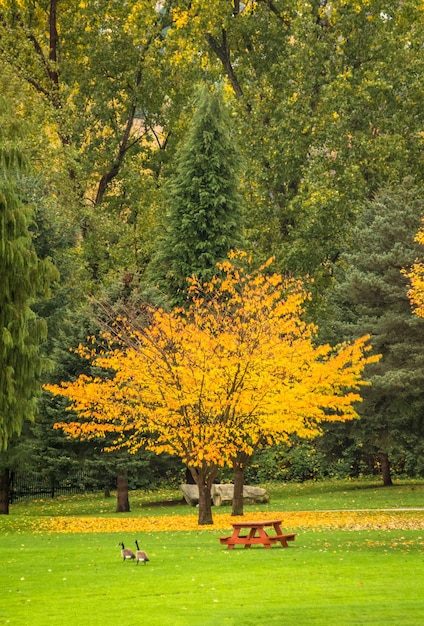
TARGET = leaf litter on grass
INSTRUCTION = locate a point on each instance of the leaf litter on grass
(342, 520)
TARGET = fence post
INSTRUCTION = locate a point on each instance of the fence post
(4, 491)
(12, 487)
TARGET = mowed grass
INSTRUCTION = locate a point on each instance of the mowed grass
(325, 577)
(307, 496)
(336, 577)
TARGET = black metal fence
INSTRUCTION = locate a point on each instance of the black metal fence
(23, 485)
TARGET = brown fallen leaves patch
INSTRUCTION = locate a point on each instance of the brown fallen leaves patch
(347, 520)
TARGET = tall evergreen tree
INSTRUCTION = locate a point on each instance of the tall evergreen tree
(204, 205)
(371, 297)
(23, 277)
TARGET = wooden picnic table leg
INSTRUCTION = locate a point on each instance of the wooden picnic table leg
(280, 533)
(234, 537)
(265, 538)
(251, 534)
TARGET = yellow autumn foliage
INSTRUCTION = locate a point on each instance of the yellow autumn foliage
(239, 368)
(317, 520)
(416, 276)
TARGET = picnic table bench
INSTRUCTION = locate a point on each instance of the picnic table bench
(249, 533)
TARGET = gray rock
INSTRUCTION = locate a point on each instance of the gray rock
(222, 494)
(191, 494)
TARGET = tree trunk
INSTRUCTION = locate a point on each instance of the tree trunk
(204, 479)
(205, 504)
(222, 50)
(239, 468)
(4, 491)
(237, 507)
(123, 147)
(123, 503)
(189, 477)
(385, 469)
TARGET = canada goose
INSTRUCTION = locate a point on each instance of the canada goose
(140, 555)
(126, 553)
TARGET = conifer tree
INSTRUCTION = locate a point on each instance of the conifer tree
(371, 297)
(23, 277)
(203, 220)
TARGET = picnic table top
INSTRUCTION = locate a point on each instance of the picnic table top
(258, 523)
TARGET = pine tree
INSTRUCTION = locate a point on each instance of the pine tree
(204, 205)
(371, 297)
(23, 277)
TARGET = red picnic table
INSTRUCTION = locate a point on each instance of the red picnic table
(257, 534)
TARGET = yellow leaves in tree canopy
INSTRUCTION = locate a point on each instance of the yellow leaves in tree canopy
(416, 276)
(237, 369)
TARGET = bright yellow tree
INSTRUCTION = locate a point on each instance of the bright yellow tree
(237, 369)
(416, 276)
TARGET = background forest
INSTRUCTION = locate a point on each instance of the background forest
(142, 140)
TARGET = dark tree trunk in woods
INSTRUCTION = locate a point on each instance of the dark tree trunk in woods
(385, 469)
(4, 491)
(109, 485)
(222, 51)
(123, 503)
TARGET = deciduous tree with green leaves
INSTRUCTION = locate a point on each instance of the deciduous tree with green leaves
(101, 74)
(329, 107)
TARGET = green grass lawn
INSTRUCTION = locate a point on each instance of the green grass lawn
(337, 577)
(347, 494)
(325, 577)
(307, 496)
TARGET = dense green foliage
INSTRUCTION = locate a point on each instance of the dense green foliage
(203, 220)
(370, 295)
(24, 277)
(328, 107)
(323, 108)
